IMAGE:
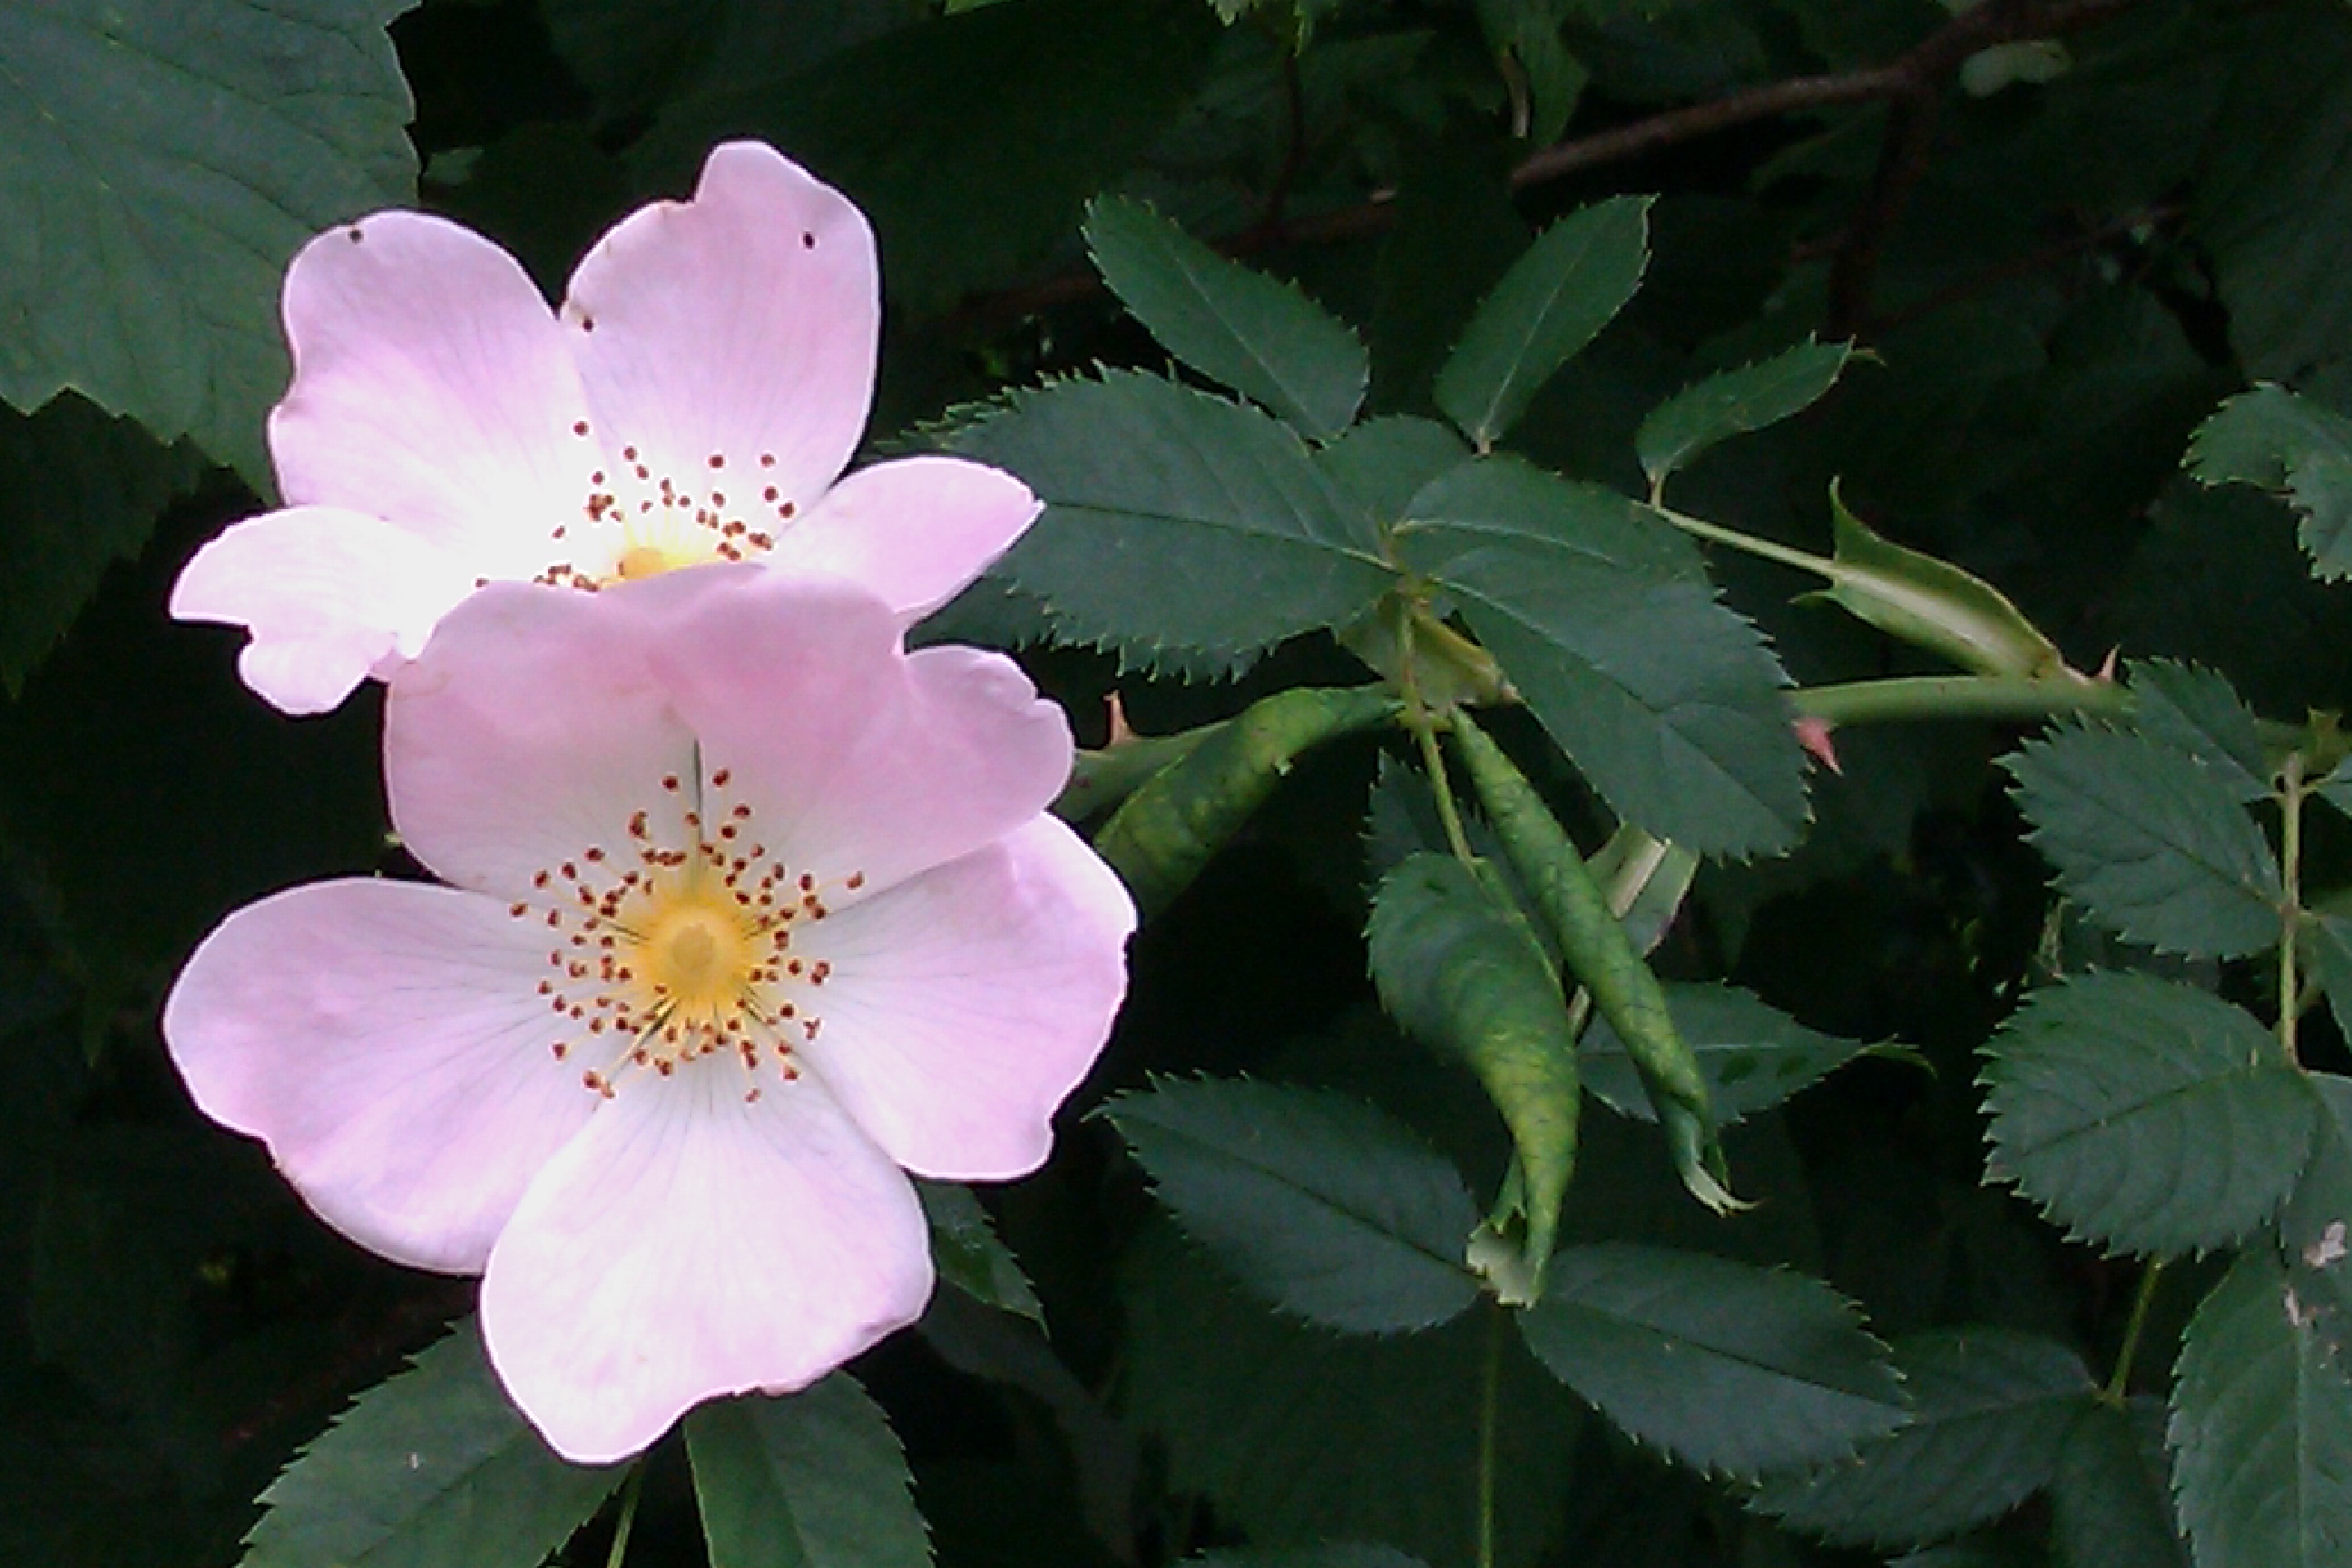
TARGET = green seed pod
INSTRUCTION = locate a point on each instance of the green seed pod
(1460, 969)
(1604, 959)
(1167, 829)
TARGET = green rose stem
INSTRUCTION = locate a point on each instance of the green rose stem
(1604, 959)
(1490, 1381)
(2290, 799)
(1918, 697)
(2120, 1382)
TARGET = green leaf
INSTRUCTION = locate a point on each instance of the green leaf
(1382, 464)
(432, 1467)
(815, 1479)
(1752, 1056)
(1161, 500)
(2194, 711)
(2324, 940)
(1993, 1409)
(1576, 276)
(2111, 1497)
(2145, 1115)
(635, 55)
(165, 164)
(1931, 604)
(1725, 1366)
(2315, 1233)
(78, 492)
(972, 140)
(2270, 202)
(1322, 1204)
(1174, 822)
(1464, 973)
(1603, 617)
(2156, 844)
(968, 1253)
(2262, 1430)
(1298, 1434)
(1734, 403)
(1256, 334)
(2292, 446)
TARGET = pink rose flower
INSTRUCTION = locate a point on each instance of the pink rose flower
(695, 399)
(750, 911)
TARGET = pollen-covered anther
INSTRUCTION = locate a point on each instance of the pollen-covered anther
(687, 955)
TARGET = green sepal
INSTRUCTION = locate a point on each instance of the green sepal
(1932, 604)
(1169, 827)
(1461, 969)
(1604, 959)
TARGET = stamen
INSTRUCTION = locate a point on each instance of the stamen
(681, 950)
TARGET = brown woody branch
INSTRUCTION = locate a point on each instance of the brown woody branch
(1913, 82)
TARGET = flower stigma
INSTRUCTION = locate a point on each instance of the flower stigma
(664, 957)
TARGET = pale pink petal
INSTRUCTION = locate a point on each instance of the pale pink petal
(386, 1041)
(328, 595)
(527, 733)
(432, 387)
(964, 1004)
(741, 326)
(690, 1243)
(856, 759)
(917, 531)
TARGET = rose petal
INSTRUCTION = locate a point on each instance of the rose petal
(964, 1004)
(328, 595)
(741, 325)
(689, 1245)
(386, 1041)
(529, 731)
(917, 531)
(432, 387)
(856, 758)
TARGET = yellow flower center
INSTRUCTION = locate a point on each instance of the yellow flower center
(660, 957)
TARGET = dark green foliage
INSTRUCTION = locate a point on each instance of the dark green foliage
(1713, 411)
(813, 1479)
(1577, 276)
(1725, 1366)
(1601, 615)
(1320, 1204)
(2112, 1496)
(2153, 841)
(2145, 1115)
(1159, 500)
(80, 492)
(2262, 1428)
(433, 1467)
(166, 163)
(1751, 1056)
(972, 141)
(1242, 327)
(1302, 1437)
(2295, 448)
(1344, 339)
(1990, 1413)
